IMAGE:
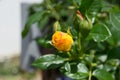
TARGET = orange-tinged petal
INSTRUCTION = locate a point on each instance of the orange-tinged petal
(62, 41)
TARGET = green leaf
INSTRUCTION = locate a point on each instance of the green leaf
(32, 19)
(111, 64)
(49, 61)
(114, 40)
(100, 32)
(82, 68)
(115, 21)
(101, 74)
(90, 7)
(67, 67)
(75, 71)
(106, 6)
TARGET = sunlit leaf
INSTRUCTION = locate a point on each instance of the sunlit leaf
(49, 61)
(115, 21)
(75, 71)
(100, 32)
(114, 40)
(101, 74)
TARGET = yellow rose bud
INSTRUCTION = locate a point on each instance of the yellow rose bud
(62, 41)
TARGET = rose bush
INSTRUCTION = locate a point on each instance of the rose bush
(92, 51)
